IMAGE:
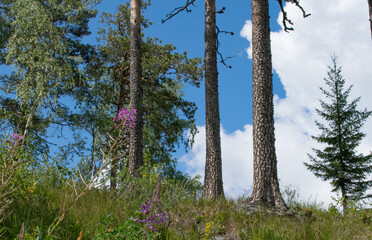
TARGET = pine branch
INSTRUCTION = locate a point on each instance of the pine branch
(285, 19)
(177, 10)
(223, 60)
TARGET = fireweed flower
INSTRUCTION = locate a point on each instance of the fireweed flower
(126, 118)
(17, 138)
(146, 208)
(150, 220)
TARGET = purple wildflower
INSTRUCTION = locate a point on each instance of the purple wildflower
(126, 118)
(150, 220)
(146, 208)
(152, 228)
(17, 138)
(163, 217)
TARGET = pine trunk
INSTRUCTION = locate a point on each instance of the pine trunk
(213, 186)
(265, 190)
(136, 136)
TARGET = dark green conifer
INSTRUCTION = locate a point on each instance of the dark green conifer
(339, 161)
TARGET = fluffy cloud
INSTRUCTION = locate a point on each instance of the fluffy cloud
(237, 155)
(300, 59)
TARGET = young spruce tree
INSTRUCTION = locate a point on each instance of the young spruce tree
(339, 161)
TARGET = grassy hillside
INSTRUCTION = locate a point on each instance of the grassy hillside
(154, 207)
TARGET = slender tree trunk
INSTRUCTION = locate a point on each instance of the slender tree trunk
(265, 190)
(370, 14)
(213, 187)
(344, 199)
(114, 162)
(136, 136)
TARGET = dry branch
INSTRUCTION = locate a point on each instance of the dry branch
(285, 19)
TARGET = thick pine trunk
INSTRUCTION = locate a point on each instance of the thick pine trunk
(265, 190)
(213, 186)
(136, 136)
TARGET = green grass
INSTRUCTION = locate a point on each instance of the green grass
(102, 214)
(187, 219)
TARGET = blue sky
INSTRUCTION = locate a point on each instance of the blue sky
(186, 32)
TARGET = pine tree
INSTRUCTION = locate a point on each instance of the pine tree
(339, 161)
(265, 190)
(136, 92)
(265, 174)
(213, 186)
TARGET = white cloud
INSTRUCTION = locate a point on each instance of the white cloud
(246, 32)
(300, 59)
(236, 159)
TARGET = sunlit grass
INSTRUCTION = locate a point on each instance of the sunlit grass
(107, 213)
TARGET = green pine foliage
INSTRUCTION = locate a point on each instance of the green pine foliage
(339, 161)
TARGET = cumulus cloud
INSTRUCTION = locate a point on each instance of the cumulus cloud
(237, 155)
(300, 59)
(246, 32)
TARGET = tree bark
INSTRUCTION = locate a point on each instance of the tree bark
(370, 14)
(136, 135)
(213, 186)
(265, 190)
(344, 199)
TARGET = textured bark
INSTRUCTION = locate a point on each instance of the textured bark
(136, 135)
(265, 190)
(344, 200)
(213, 186)
(370, 14)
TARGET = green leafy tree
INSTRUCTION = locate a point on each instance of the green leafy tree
(166, 114)
(42, 42)
(339, 160)
(4, 27)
